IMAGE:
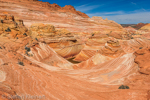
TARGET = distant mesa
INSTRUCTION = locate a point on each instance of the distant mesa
(135, 26)
(146, 27)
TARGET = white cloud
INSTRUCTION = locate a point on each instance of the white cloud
(125, 18)
(86, 7)
(106, 13)
(133, 3)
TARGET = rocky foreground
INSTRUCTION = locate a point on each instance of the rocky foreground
(45, 62)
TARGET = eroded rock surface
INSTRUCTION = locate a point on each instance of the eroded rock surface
(11, 27)
(146, 27)
(34, 64)
(142, 59)
(62, 41)
(61, 17)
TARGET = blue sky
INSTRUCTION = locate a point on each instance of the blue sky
(121, 11)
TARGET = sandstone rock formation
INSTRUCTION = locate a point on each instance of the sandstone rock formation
(61, 17)
(139, 25)
(142, 58)
(146, 27)
(62, 41)
(112, 48)
(45, 81)
(106, 74)
(135, 26)
(130, 46)
(33, 61)
(41, 54)
(92, 45)
(100, 44)
(12, 28)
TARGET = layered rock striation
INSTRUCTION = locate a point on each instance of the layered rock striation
(62, 41)
(61, 17)
(11, 27)
(33, 61)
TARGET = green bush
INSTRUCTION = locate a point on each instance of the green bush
(27, 49)
(25, 34)
(1, 21)
(123, 87)
(8, 30)
(21, 63)
(36, 39)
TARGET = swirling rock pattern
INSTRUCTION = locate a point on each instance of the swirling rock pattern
(40, 77)
(62, 41)
(33, 11)
(34, 66)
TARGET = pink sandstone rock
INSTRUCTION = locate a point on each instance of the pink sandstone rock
(32, 66)
(65, 17)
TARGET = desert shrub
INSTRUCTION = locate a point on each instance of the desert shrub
(123, 87)
(127, 87)
(93, 34)
(1, 21)
(140, 47)
(8, 30)
(0, 47)
(36, 39)
(20, 63)
(16, 23)
(27, 49)
(25, 34)
(73, 41)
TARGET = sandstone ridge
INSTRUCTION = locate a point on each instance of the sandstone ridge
(34, 60)
(61, 17)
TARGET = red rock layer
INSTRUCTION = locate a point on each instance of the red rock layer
(67, 8)
(12, 28)
(143, 58)
(62, 41)
(105, 46)
(46, 81)
(29, 68)
(146, 27)
(65, 17)
(139, 25)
